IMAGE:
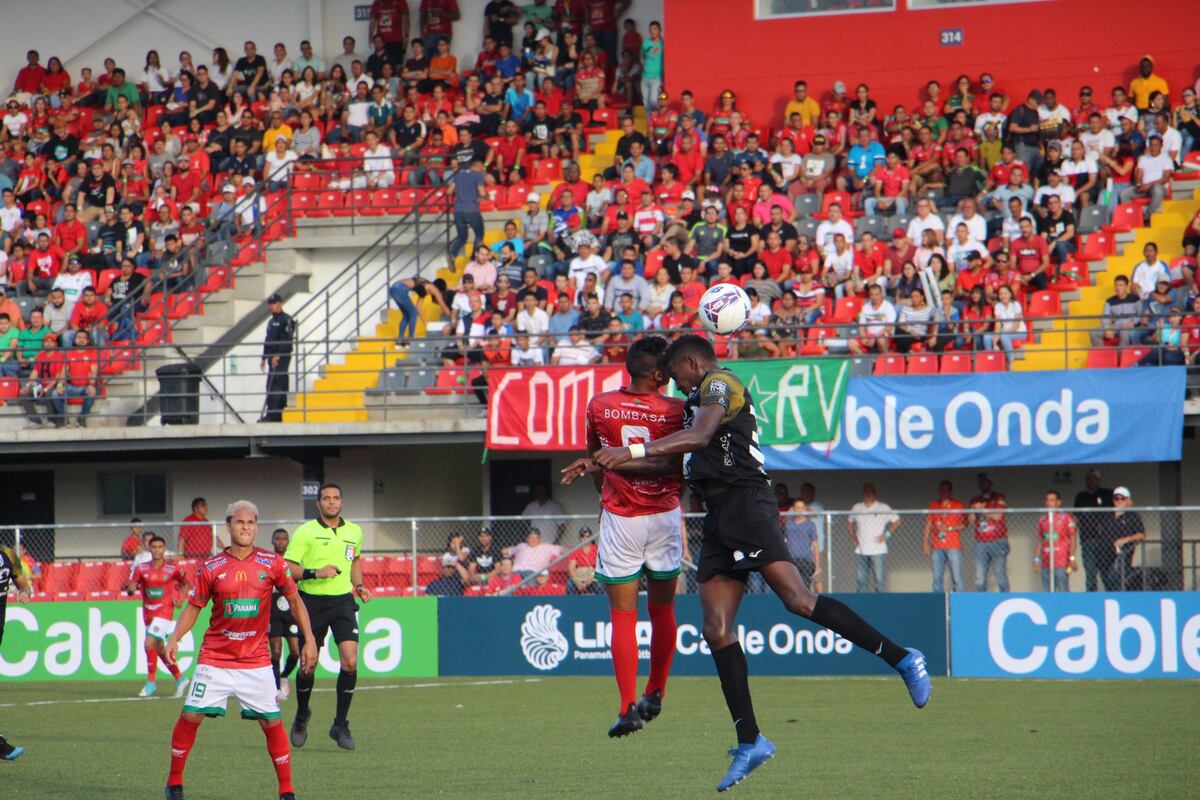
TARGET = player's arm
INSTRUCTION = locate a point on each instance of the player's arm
(707, 419)
(356, 580)
(24, 587)
(182, 627)
(308, 653)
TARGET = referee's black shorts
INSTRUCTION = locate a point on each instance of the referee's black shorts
(741, 533)
(283, 624)
(337, 613)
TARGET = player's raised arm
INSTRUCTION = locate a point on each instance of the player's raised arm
(704, 426)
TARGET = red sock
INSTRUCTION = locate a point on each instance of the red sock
(625, 655)
(662, 646)
(151, 665)
(175, 673)
(182, 740)
(281, 756)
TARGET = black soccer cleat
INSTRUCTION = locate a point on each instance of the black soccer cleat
(175, 793)
(288, 796)
(300, 728)
(649, 706)
(627, 723)
(340, 733)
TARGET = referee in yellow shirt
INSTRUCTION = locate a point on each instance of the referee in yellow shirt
(325, 556)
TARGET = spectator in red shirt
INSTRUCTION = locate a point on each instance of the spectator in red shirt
(43, 263)
(892, 180)
(187, 187)
(389, 19)
(689, 161)
(79, 378)
(89, 315)
(47, 366)
(991, 535)
(70, 235)
(197, 540)
(510, 150)
(30, 79)
(1032, 256)
(436, 19)
(503, 577)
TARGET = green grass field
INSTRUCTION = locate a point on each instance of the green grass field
(527, 738)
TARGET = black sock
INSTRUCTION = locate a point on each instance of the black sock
(839, 618)
(735, 683)
(304, 687)
(289, 665)
(345, 693)
(275, 671)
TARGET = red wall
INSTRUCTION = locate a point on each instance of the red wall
(717, 44)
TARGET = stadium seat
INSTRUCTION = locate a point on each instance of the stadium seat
(653, 261)
(107, 276)
(308, 180)
(59, 576)
(842, 199)
(923, 364)
(1072, 275)
(1125, 217)
(1091, 219)
(847, 309)
(953, 363)
(889, 365)
(603, 118)
(1131, 355)
(1097, 247)
(1103, 358)
(303, 203)
(449, 381)
(990, 361)
(1043, 304)
(806, 205)
(116, 575)
(9, 389)
(547, 170)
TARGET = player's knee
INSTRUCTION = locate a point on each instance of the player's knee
(718, 635)
(800, 601)
(349, 664)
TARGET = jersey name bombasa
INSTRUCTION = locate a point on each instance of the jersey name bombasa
(733, 455)
(620, 418)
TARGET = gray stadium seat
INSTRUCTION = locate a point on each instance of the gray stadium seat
(806, 205)
(93, 231)
(392, 379)
(807, 227)
(420, 379)
(27, 305)
(542, 263)
(876, 225)
(1091, 219)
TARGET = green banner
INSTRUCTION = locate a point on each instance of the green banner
(796, 401)
(103, 641)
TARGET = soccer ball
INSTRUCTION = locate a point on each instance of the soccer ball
(724, 309)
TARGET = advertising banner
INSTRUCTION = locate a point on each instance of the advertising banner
(570, 635)
(542, 408)
(1000, 419)
(103, 641)
(1086, 635)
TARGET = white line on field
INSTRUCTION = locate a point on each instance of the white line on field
(93, 700)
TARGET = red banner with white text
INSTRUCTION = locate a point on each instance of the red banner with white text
(542, 408)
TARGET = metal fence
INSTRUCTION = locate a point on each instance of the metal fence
(405, 555)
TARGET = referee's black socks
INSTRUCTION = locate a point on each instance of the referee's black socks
(289, 665)
(304, 687)
(735, 684)
(345, 693)
(841, 619)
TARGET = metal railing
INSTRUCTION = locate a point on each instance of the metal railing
(404, 555)
(439, 372)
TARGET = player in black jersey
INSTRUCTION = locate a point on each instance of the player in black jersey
(11, 571)
(283, 626)
(723, 462)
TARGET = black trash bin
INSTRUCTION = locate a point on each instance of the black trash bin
(179, 394)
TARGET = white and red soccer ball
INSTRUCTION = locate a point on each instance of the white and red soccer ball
(724, 309)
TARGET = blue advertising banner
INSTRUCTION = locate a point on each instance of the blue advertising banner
(1088, 635)
(571, 636)
(1001, 419)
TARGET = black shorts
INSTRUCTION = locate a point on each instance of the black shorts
(741, 533)
(283, 624)
(337, 613)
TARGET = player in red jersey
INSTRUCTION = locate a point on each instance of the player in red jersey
(234, 658)
(641, 526)
(163, 585)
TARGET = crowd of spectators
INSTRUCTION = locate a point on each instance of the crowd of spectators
(928, 229)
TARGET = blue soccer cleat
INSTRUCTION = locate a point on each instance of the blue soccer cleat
(746, 759)
(9, 752)
(916, 678)
(148, 690)
(181, 686)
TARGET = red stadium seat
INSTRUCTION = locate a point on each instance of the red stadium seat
(1103, 358)
(59, 576)
(90, 577)
(308, 180)
(990, 361)
(653, 261)
(1097, 247)
(953, 363)
(843, 199)
(107, 276)
(303, 203)
(605, 118)
(116, 575)
(889, 365)
(847, 309)
(546, 170)
(1126, 217)
(9, 389)
(1044, 304)
(1131, 355)
(924, 364)
(377, 203)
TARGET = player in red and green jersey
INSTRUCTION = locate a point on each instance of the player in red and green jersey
(163, 585)
(234, 658)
